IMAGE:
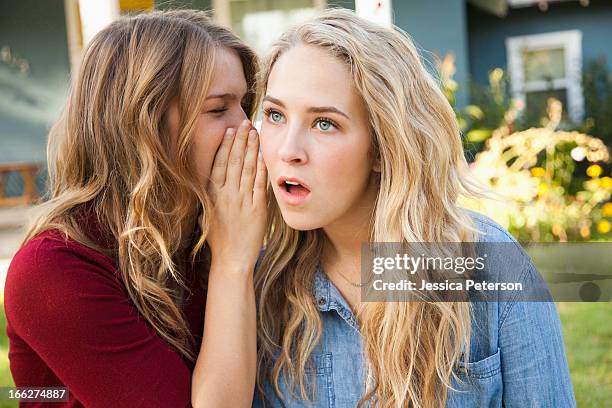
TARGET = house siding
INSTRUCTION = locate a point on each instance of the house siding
(487, 33)
(438, 27)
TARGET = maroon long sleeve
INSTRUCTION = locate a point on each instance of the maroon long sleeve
(70, 323)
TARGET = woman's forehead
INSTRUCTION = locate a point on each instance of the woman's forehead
(309, 75)
(228, 74)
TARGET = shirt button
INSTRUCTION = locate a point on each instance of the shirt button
(322, 301)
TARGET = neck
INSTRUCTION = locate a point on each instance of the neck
(345, 235)
(343, 242)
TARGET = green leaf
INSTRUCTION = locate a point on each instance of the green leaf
(478, 135)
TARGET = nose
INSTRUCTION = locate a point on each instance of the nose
(292, 149)
(237, 118)
(243, 115)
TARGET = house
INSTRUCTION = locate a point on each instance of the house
(543, 43)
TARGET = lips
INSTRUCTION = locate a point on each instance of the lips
(293, 190)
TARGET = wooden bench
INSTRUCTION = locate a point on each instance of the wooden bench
(28, 172)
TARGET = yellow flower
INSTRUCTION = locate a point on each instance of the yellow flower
(594, 170)
(606, 210)
(585, 232)
(603, 226)
(496, 75)
(542, 188)
(538, 172)
(606, 182)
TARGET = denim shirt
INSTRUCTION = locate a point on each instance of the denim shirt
(516, 358)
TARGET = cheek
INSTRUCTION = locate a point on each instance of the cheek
(269, 143)
(347, 164)
(208, 137)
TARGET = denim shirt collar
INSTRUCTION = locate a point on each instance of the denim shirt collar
(328, 298)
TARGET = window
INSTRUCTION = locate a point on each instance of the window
(84, 18)
(547, 65)
(260, 22)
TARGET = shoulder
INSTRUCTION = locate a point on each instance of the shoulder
(499, 244)
(51, 271)
(51, 250)
(488, 230)
(505, 255)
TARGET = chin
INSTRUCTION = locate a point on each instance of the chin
(301, 222)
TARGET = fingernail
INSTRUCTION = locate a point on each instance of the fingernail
(252, 135)
(229, 132)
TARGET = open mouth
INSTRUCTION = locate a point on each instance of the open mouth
(294, 188)
(293, 191)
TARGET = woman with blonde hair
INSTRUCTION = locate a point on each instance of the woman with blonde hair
(361, 146)
(145, 227)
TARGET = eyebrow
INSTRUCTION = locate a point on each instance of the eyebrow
(314, 109)
(224, 96)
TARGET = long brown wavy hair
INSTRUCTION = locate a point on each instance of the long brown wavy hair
(110, 152)
(411, 347)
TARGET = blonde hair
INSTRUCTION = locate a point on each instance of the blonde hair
(109, 153)
(411, 347)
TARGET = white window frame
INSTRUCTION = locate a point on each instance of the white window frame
(222, 12)
(571, 41)
(529, 3)
(522, 3)
(379, 12)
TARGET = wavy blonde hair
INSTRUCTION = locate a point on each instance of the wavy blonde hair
(110, 153)
(411, 347)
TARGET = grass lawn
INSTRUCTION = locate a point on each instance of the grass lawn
(587, 330)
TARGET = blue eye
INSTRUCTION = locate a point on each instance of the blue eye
(325, 125)
(276, 117)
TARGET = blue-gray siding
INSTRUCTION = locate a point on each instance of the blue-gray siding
(487, 33)
(438, 27)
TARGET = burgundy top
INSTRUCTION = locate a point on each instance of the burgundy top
(71, 323)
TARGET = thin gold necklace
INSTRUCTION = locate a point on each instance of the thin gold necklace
(354, 284)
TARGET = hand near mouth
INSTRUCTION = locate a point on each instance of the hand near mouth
(238, 191)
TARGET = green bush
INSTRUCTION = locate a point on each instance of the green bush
(597, 89)
(554, 180)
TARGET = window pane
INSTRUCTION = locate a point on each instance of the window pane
(260, 22)
(544, 65)
(537, 102)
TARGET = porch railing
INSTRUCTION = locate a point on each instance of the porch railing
(29, 191)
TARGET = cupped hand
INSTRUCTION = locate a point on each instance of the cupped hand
(237, 189)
